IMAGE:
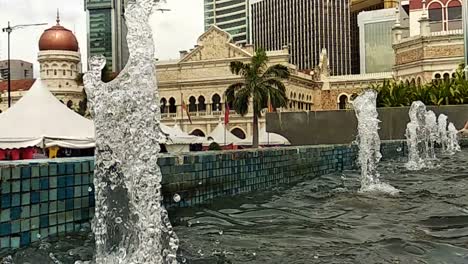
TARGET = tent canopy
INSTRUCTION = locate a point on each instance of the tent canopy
(223, 137)
(40, 119)
(265, 138)
(175, 136)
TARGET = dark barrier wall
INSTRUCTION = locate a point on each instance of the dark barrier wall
(339, 127)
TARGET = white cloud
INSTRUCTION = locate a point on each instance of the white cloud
(175, 30)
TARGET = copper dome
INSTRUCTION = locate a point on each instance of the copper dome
(58, 38)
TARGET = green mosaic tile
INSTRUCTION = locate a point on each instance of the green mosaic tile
(35, 223)
(52, 169)
(53, 230)
(25, 185)
(61, 217)
(15, 242)
(5, 242)
(25, 211)
(77, 179)
(70, 227)
(44, 170)
(53, 207)
(44, 208)
(15, 226)
(60, 206)
(44, 196)
(77, 215)
(35, 171)
(35, 184)
(5, 215)
(26, 198)
(53, 182)
(44, 232)
(16, 186)
(77, 192)
(53, 219)
(85, 167)
(6, 187)
(78, 167)
(85, 202)
(25, 225)
(35, 236)
(52, 194)
(16, 173)
(77, 203)
(69, 216)
(34, 210)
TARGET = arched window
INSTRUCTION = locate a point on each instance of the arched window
(419, 81)
(163, 105)
(55, 72)
(290, 105)
(343, 102)
(216, 103)
(197, 132)
(436, 17)
(70, 104)
(413, 82)
(454, 15)
(201, 104)
(64, 72)
(172, 105)
(446, 76)
(437, 76)
(192, 104)
(454, 75)
(238, 133)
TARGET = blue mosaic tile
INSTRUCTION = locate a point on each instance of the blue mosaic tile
(69, 192)
(44, 183)
(25, 238)
(15, 213)
(35, 184)
(61, 193)
(69, 204)
(35, 197)
(5, 215)
(16, 186)
(86, 179)
(52, 169)
(35, 172)
(70, 168)
(15, 173)
(6, 200)
(35, 210)
(15, 242)
(44, 221)
(25, 172)
(70, 180)
(25, 185)
(61, 181)
(92, 202)
(5, 229)
(61, 169)
(53, 194)
(6, 187)
(16, 199)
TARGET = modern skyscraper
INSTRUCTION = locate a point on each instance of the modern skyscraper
(231, 16)
(107, 31)
(306, 26)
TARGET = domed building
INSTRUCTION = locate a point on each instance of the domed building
(60, 68)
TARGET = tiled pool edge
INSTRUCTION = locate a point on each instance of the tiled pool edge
(44, 198)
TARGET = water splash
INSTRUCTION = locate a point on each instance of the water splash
(127, 178)
(442, 128)
(416, 136)
(431, 137)
(369, 143)
(452, 142)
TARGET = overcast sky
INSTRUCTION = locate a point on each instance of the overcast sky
(175, 30)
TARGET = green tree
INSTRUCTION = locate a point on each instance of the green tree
(261, 84)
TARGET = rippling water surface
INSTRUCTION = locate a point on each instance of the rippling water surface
(323, 220)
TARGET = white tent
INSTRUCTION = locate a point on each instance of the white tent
(223, 137)
(265, 138)
(179, 141)
(40, 119)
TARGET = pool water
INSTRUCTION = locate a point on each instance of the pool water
(323, 220)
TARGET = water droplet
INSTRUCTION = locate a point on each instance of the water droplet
(118, 220)
(176, 198)
(255, 254)
(38, 236)
(90, 189)
(316, 257)
(200, 183)
(221, 232)
(399, 149)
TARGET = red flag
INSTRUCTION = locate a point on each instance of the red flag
(226, 113)
(184, 107)
(270, 106)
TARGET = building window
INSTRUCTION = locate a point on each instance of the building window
(446, 76)
(238, 133)
(172, 105)
(454, 15)
(192, 104)
(201, 104)
(163, 104)
(436, 17)
(343, 102)
(216, 103)
(69, 104)
(55, 72)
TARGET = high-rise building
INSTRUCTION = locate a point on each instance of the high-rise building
(107, 31)
(232, 16)
(19, 69)
(307, 27)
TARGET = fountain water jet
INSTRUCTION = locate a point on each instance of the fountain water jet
(431, 138)
(130, 224)
(442, 128)
(416, 136)
(452, 142)
(369, 144)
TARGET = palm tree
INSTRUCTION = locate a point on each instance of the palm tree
(261, 84)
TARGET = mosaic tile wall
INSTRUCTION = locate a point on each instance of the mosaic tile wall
(44, 198)
(47, 198)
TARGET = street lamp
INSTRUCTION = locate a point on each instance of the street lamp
(8, 30)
